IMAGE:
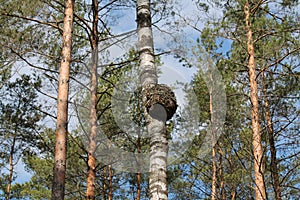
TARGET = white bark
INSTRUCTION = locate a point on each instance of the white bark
(156, 129)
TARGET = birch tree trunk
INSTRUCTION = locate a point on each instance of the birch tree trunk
(260, 191)
(58, 186)
(156, 128)
(91, 176)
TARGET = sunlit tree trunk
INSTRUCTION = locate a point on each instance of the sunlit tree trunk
(156, 128)
(58, 186)
(274, 169)
(11, 168)
(256, 141)
(214, 158)
(91, 176)
(214, 174)
(214, 193)
(222, 182)
(233, 195)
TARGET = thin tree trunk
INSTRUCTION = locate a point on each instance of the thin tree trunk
(139, 178)
(214, 175)
(138, 195)
(156, 128)
(214, 194)
(274, 170)
(222, 183)
(58, 186)
(257, 145)
(104, 184)
(11, 169)
(139, 175)
(233, 195)
(110, 182)
(91, 176)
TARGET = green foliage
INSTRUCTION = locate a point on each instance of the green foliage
(276, 39)
(19, 118)
(276, 43)
(39, 162)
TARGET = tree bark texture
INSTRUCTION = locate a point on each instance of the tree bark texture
(214, 193)
(156, 128)
(58, 186)
(274, 169)
(260, 191)
(91, 175)
(214, 175)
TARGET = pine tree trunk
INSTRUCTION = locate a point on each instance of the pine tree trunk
(274, 170)
(110, 182)
(138, 195)
(91, 175)
(58, 186)
(156, 128)
(214, 194)
(233, 195)
(11, 169)
(214, 175)
(222, 182)
(257, 145)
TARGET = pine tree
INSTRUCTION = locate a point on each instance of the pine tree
(90, 191)
(58, 186)
(19, 118)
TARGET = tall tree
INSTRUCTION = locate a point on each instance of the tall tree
(156, 128)
(271, 51)
(273, 151)
(94, 40)
(58, 186)
(18, 120)
(260, 189)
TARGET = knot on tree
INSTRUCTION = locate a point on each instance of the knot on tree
(160, 102)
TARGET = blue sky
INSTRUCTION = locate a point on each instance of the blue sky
(172, 70)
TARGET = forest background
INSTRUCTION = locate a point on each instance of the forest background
(202, 51)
